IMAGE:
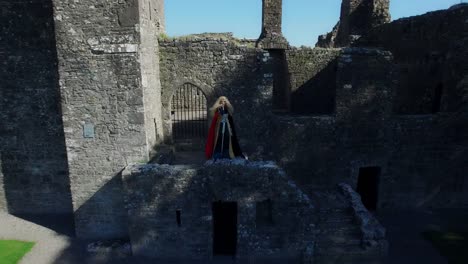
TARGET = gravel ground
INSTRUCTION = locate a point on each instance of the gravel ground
(49, 244)
(55, 248)
(403, 230)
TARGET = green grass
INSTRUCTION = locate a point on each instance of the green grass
(11, 251)
(452, 245)
(164, 37)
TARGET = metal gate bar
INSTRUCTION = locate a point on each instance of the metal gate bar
(189, 114)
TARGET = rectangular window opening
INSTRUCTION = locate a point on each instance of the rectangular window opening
(179, 222)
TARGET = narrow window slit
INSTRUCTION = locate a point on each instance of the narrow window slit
(179, 222)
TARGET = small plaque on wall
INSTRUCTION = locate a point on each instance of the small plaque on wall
(88, 130)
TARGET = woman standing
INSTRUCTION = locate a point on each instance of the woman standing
(222, 139)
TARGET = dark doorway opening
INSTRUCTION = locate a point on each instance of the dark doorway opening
(437, 99)
(281, 88)
(368, 186)
(189, 116)
(224, 228)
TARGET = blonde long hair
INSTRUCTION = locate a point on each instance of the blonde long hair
(217, 104)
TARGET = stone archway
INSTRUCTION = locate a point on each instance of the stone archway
(168, 93)
(189, 110)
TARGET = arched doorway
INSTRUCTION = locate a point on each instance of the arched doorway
(189, 116)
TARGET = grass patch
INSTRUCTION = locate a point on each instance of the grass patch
(452, 245)
(164, 37)
(11, 251)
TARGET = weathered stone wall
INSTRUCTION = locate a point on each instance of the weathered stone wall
(150, 27)
(427, 163)
(305, 147)
(154, 192)
(429, 50)
(420, 156)
(356, 19)
(321, 150)
(312, 74)
(426, 167)
(412, 124)
(359, 128)
(156, 14)
(271, 36)
(221, 65)
(34, 173)
(108, 76)
(365, 97)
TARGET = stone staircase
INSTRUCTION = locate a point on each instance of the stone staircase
(340, 238)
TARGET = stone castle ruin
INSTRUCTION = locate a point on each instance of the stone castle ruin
(377, 112)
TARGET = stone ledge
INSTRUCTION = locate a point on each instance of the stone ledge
(373, 233)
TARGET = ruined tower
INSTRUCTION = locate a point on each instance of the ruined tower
(271, 36)
(111, 104)
(272, 39)
(357, 17)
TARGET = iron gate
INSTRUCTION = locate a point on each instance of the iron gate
(189, 114)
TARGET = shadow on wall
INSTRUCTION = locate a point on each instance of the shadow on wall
(103, 215)
(421, 88)
(153, 203)
(430, 52)
(352, 24)
(317, 95)
(281, 97)
(96, 207)
(33, 153)
(360, 18)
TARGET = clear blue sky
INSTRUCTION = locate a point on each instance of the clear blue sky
(303, 20)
